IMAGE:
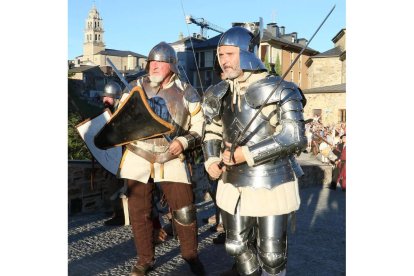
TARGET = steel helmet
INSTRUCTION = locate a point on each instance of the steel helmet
(163, 52)
(247, 43)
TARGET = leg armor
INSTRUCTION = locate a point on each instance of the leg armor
(185, 215)
(239, 242)
(272, 243)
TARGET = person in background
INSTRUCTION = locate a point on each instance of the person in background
(342, 164)
(110, 98)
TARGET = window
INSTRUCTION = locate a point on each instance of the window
(209, 59)
(300, 62)
(95, 24)
(291, 57)
(341, 115)
(264, 50)
(202, 60)
(195, 79)
(291, 75)
(96, 37)
(300, 79)
(208, 77)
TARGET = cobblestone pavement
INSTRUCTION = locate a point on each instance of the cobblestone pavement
(317, 247)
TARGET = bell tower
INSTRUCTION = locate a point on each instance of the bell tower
(93, 35)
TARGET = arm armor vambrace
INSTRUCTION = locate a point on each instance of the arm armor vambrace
(193, 140)
(211, 148)
(290, 140)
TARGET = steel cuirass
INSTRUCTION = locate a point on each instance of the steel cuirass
(267, 175)
(273, 154)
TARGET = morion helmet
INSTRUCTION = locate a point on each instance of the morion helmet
(247, 43)
(163, 52)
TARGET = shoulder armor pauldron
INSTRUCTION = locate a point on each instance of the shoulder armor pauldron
(258, 92)
(212, 99)
(191, 95)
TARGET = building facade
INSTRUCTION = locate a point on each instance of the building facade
(279, 49)
(326, 94)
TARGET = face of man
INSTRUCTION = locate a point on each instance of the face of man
(229, 59)
(108, 101)
(159, 72)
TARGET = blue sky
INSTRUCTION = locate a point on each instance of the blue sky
(138, 25)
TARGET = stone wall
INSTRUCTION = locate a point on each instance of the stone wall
(85, 195)
(329, 103)
(325, 71)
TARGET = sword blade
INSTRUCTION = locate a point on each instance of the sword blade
(119, 74)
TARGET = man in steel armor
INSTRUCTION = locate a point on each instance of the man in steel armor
(161, 160)
(258, 186)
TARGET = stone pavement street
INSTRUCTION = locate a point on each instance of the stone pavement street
(316, 248)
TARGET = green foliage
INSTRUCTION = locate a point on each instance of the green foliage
(76, 104)
(267, 64)
(77, 149)
(278, 66)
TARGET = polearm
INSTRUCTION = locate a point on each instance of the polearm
(181, 156)
(239, 136)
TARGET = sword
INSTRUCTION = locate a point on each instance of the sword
(239, 135)
(119, 75)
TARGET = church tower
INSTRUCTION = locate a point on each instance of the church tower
(93, 35)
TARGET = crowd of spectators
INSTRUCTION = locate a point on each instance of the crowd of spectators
(327, 144)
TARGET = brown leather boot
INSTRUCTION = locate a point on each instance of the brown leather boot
(141, 270)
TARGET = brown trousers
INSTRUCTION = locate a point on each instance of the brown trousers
(177, 195)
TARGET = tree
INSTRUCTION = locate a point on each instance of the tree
(278, 67)
(267, 64)
(77, 149)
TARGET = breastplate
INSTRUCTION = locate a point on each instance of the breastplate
(267, 175)
(174, 99)
(234, 121)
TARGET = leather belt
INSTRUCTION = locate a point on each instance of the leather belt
(151, 157)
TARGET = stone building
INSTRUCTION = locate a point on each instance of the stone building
(94, 50)
(326, 94)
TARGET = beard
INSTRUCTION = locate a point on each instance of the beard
(155, 81)
(233, 73)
